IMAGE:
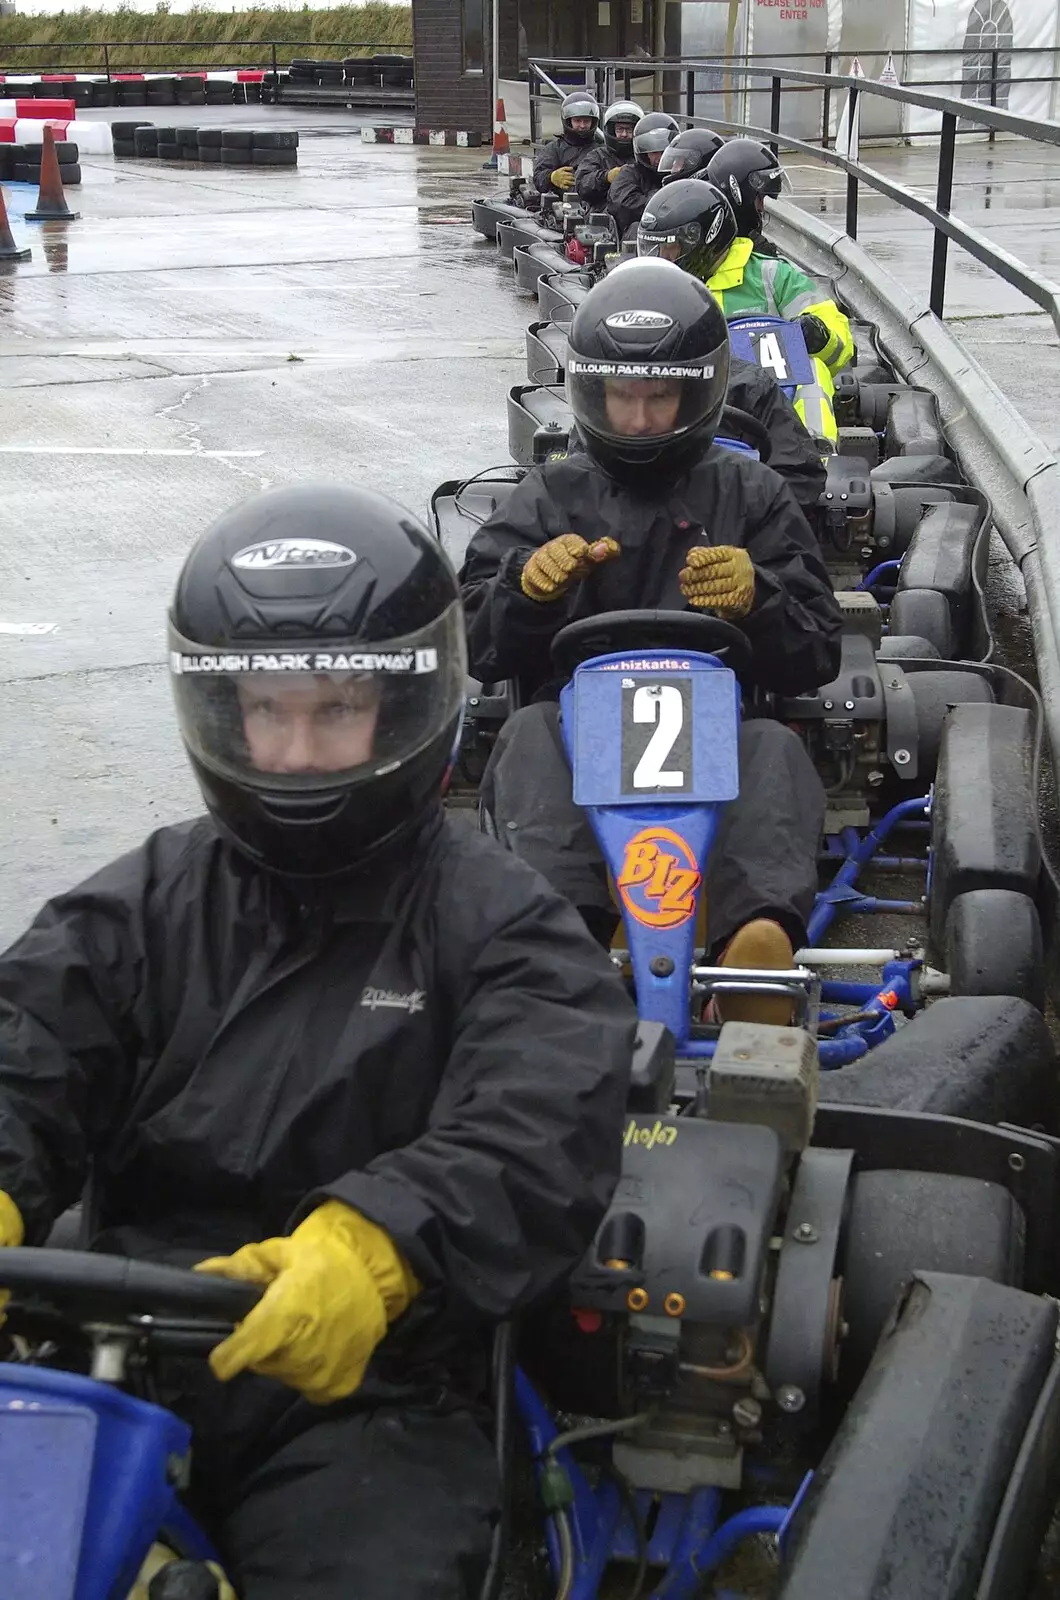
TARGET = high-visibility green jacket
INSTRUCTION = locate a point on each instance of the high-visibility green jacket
(747, 283)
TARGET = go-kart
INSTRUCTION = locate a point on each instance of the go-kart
(800, 1319)
(90, 1473)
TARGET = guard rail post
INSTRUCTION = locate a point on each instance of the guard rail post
(852, 181)
(944, 195)
(826, 105)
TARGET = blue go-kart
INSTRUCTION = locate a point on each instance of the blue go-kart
(806, 1318)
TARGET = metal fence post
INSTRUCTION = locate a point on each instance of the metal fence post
(826, 105)
(275, 76)
(106, 61)
(690, 92)
(942, 203)
(774, 115)
(993, 90)
(852, 182)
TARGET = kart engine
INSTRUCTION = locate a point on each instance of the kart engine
(710, 1296)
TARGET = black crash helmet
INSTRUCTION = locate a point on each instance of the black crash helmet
(647, 370)
(690, 154)
(623, 111)
(652, 135)
(317, 658)
(689, 222)
(580, 104)
(746, 171)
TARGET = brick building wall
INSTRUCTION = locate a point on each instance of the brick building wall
(447, 96)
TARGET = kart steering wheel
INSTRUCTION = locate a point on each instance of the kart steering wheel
(737, 424)
(634, 632)
(86, 1289)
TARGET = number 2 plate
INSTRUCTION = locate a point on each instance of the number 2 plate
(651, 736)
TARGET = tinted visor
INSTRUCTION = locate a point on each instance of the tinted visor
(314, 717)
(768, 181)
(674, 244)
(654, 139)
(644, 403)
(680, 162)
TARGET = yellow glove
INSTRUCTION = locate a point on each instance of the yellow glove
(719, 578)
(562, 178)
(551, 570)
(613, 174)
(12, 1233)
(333, 1286)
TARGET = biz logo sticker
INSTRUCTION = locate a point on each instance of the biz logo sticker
(659, 878)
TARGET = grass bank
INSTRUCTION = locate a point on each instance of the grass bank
(197, 39)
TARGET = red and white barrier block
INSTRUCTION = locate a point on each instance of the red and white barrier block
(462, 140)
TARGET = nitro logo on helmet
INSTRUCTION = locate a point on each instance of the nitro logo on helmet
(633, 369)
(273, 553)
(622, 321)
(734, 188)
(715, 227)
(305, 661)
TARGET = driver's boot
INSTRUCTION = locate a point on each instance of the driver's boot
(764, 944)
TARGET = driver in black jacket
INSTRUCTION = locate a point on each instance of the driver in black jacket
(653, 515)
(351, 1051)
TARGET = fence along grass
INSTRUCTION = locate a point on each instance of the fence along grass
(197, 38)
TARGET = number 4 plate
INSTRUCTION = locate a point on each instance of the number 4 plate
(777, 346)
(647, 736)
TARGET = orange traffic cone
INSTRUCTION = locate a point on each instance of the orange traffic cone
(9, 250)
(501, 146)
(51, 201)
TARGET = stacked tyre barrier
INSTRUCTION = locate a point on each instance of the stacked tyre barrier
(228, 147)
(363, 72)
(145, 89)
(20, 163)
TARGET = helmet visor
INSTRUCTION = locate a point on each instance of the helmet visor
(768, 181)
(678, 161)
(673, 244)
(643, 403)
(652, 140)
(306, 720)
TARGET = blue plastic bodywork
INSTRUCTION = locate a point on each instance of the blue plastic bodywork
(87, 1477)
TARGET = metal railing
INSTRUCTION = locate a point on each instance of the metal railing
(106, 58)
(613, 78)
(1039, 289)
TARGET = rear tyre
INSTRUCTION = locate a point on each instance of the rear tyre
(993, 945)
(902, 1222)
(925, 613)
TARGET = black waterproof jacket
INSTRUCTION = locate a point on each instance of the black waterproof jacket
(793, 453)
(447, 1051)
(726, 498)
(559, 152)
(590, 183)
(630, 193)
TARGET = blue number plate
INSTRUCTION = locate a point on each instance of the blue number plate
(663, 729)
(46, 1456)
(776, 346)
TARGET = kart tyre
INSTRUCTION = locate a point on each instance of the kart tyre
(145, 142)
(210, 154)
(71, 175)
(127, 130)
(913, 427)
(236, 158)
(210, 138)
(907, 647)
(188, 139)
(127, 147)
(170, 151)
(274, 158)
(923, 612)
(993, 945)
(236, 138)
(902, 1222)
(277, 139)
(935, 693)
